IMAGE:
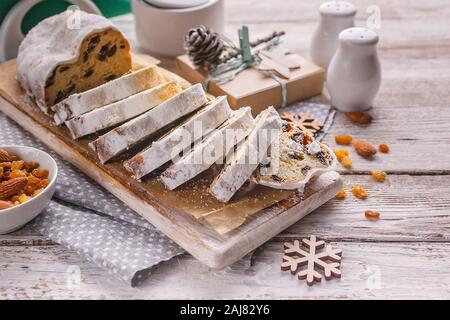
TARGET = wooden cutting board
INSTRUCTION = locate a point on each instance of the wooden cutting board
(216, 234)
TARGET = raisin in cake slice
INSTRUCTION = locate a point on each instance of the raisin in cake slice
(295, 157)
(248, 155)
(213, 148)
(107, 93)
(123, 137)
(180, 138)
(121, 111)
(55, 61)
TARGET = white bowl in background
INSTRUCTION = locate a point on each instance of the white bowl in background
(16, 217)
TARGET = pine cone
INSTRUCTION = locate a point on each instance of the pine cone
(204, 46)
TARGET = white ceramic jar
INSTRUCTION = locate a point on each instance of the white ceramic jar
(354, 74)
(335, 16)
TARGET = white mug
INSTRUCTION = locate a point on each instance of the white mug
(11, 33)
(161, 31)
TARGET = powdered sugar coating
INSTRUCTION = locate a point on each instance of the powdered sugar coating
(51, 43)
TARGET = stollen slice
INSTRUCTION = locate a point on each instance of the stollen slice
(123, 137)
(107, 93)
(212, 149)
(121, 111)
(169, 146)
(248, 155)
(294, 159)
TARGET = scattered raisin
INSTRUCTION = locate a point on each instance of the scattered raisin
(88, 73)
(341, 154)
(59, 96)
(64, 68)
(276, 178)
(359, 117)
(70, 88)
(359, 192)
(346, 162)
(30, 165)
(343, 139)
(51, 79)
(379, 176)
(112, 51)
(93, 43)
(305, 170)
(384, 148)
(296, 155)
(103, 52)
(17, 165)
(85, 56)
(341, 194)
(372, 214)
(321, 157)
(110, 77)
(40, 173)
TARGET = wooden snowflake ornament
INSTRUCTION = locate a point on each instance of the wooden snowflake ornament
(327, 260)
(304, 122)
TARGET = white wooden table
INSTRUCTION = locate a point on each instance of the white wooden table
(406, 254)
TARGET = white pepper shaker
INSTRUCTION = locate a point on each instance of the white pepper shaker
(335, 16)
(354, 74)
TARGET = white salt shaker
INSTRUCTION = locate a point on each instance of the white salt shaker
(354, 74)
(335, 16)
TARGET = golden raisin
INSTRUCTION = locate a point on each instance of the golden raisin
(1, 171)
(343, 139)
(44, 183)
(341, 154)
(17, 165)
(347, 163)
(40, 173)
(35, 193)
(359, 192)
(384, 148)
(359, 117)
(30, 165)
(372, 214)
(23, 198)
(379, 176)
(341, 194)
(17, 174)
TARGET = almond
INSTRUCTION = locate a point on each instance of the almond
(5, 205)
(359, 117)
(4, 156)
(12, 187)
(364, 148)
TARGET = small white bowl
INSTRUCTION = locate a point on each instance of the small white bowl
(16, 217)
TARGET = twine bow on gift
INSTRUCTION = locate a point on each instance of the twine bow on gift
(204, 46)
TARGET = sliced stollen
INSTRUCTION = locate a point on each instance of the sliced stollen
(55, 60)
(123, 137)
(248, 155)
(212, 149)
(179, 139)
(121, 111)
(295, 158)
(107, 93)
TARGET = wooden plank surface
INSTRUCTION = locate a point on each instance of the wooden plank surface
(408, 247)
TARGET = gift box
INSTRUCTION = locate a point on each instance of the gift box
(255, 88)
